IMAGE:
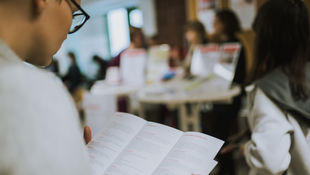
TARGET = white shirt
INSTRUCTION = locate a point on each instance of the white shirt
(39, 127)
(278, 142)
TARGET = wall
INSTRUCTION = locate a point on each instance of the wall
(85, 43)
(171, 19)
(149, 17)
(100, 7)
(91, 39)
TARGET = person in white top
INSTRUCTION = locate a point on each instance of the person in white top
(279, 98)
(40, 132)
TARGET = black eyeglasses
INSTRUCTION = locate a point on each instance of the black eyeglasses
(79, 18)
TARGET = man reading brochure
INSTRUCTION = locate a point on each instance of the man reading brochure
(40, 132)
(39, 128)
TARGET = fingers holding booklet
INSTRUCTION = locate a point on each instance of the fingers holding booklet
(130, 145)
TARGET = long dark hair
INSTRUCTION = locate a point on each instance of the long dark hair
(282, 40)
(230, 21)
(199, 28)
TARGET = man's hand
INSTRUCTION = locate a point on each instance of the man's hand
(229, 148)
(242, 148)
(87, 134)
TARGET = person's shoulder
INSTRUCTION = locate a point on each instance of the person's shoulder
(24, 76)
(258, 100)
(260, 103)
(37, 107)
(262, 111)
(256, 94)
(30, 84)
(30, 92)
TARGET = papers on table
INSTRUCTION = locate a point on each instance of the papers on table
(204, 59)
(208, 89)
(157, 64)
(216, 59)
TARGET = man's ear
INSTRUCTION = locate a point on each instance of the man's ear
(38, 6)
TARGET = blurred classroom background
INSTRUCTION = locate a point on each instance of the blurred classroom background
(139, 56)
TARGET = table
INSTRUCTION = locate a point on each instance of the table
(102, 87)
(125, 93)
(179, 94)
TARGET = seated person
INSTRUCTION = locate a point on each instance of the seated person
(137, 41)
(102, 64)
(73, 78)
(195, 34)
(226, 27)
(176, 57)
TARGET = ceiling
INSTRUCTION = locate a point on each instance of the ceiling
(99, 7)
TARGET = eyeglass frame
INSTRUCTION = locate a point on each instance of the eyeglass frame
(87, 16)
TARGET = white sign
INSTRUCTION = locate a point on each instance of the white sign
(204, 59)
(226, 68)
(133, 67)
(219, 59)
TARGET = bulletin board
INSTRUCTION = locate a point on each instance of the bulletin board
(246, 11)
(204, 10)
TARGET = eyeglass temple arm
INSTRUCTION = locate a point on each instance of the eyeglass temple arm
(80, 8)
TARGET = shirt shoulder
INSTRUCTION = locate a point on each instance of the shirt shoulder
(262, 111)
(42, 122)
(26, 80)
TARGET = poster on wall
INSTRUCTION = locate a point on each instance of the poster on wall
(206, 12)
(245, 9)
(206, 4)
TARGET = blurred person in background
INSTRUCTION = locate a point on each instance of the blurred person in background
(54, 67)
(227, 27)
(153, 41)
(101, 71)
(137, 41)
(176, 56)
(73, 78)
(279, 98)
(102, 64)
(195, 35)
(224, 116)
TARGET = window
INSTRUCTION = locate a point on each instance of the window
(136, 18)
(118, 29)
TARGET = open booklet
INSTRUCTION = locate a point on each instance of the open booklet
(130, 145)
